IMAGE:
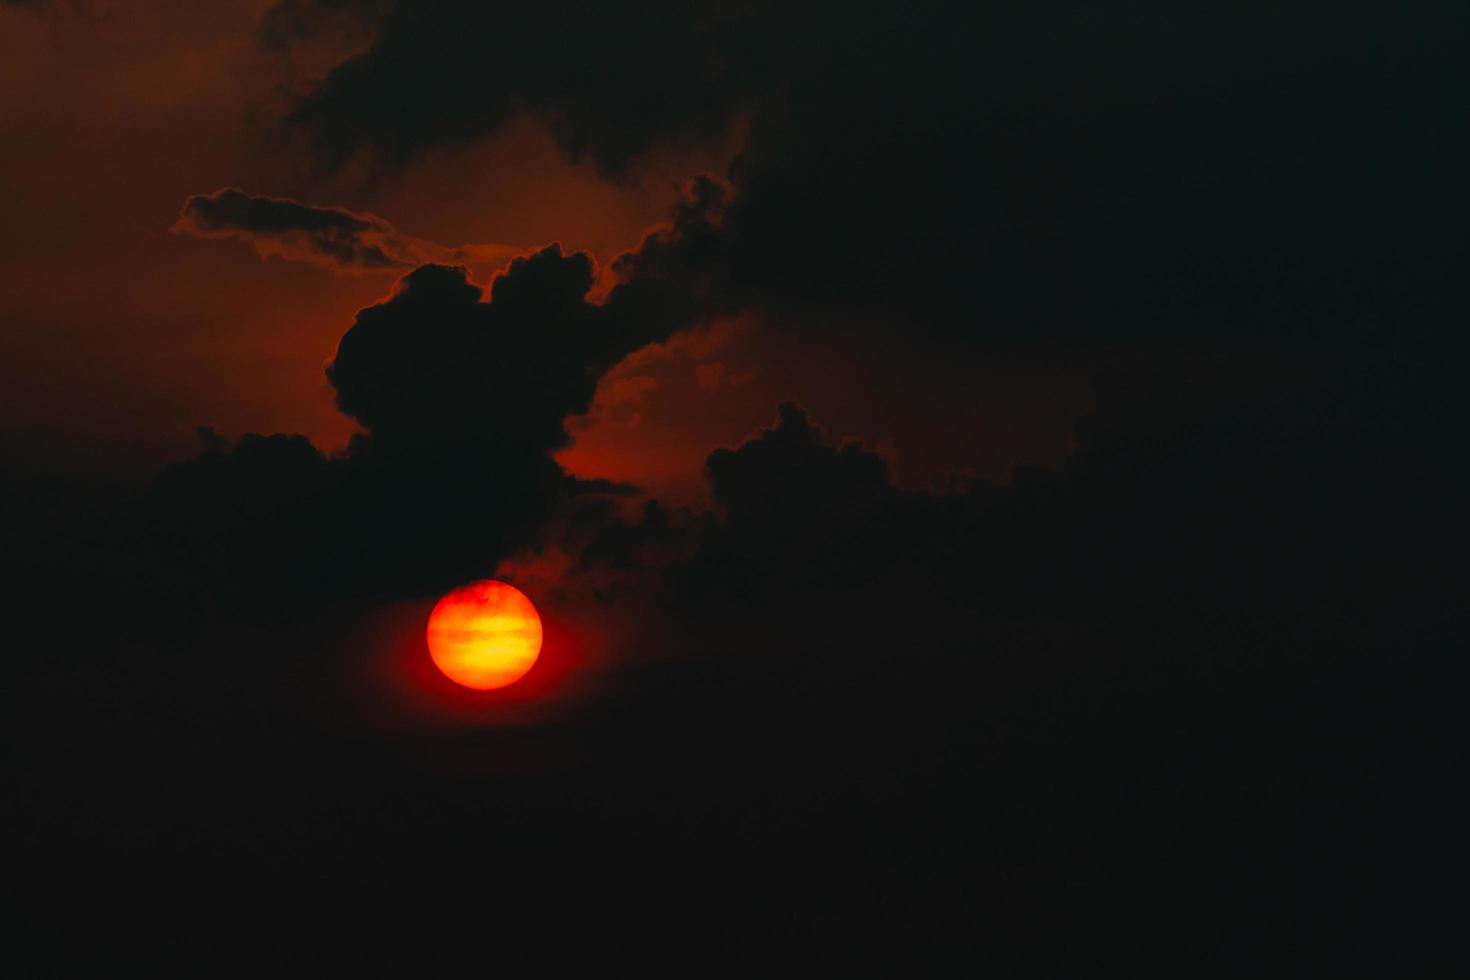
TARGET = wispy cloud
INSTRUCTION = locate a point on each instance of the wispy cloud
(334, 238)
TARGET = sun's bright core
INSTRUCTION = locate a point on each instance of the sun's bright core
(484, 635)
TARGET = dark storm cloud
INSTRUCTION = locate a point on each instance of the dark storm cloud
(463, 397)
(332, 237)
(449, 73)
(1145, 172)
(436, 362)
(1244, 489)
(788, 506)
(788, 480)
(1095, 722)
(689, 253)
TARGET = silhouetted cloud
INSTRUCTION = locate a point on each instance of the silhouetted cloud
(438, 361)
(668, 76)
(1224, 625)
(331, 237)
(463, 397)
(1150, 173)
(787, 480)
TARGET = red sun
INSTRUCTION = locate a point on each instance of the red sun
(484, 635)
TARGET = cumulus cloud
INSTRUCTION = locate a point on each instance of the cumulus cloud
(436, 363)
(334, 238)
(789, 478)
(463, 392)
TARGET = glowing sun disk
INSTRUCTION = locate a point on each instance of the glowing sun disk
(484, 635)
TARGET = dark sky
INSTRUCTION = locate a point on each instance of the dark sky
(984, 470)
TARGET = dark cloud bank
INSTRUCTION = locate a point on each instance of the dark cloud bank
(1258, 172)
(1182, 707)
(462, 396)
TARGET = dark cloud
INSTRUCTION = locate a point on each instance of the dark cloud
(788, 481)
(785, 499)
(436, 366)
(332, 237)
(1142, 172)
(1243, 492)
(1169, 651)
(668, 77)
(1095, 721)
(463, 397)
(437, 362)
(691, 251)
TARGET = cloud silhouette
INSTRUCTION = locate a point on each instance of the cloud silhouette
(463, 393)
(985, 172)
(788, 480)
(333, 238)
(605, 102)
